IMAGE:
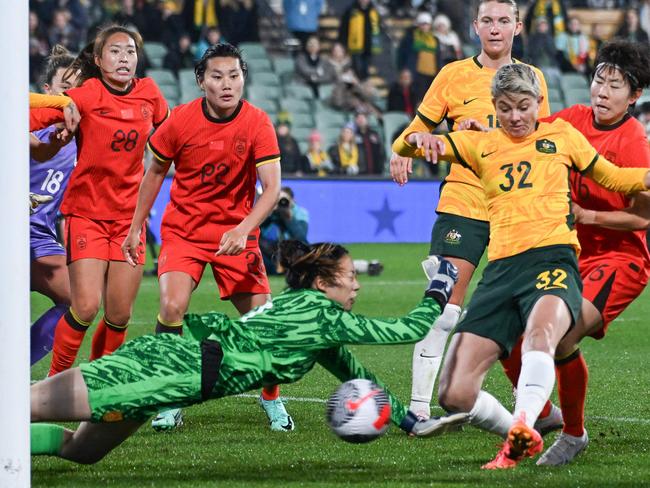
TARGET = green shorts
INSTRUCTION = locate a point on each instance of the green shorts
(148, 374)
(459, 237)
(511, 286)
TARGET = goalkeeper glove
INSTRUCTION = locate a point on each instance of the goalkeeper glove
(442, 275)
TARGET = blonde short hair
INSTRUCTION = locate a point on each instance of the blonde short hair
(515, 78)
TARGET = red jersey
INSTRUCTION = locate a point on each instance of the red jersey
(216, 164)
(624, 144)
(111, 139)
(39, 118)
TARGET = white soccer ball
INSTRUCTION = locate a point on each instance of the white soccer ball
(358, 411)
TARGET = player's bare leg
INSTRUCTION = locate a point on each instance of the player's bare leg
(87, 278)
(122, 285)
(466, 363)
(64, 397)
(270, 400)
(428, 353)
(572, 377)
(176, 289)
(49, 277)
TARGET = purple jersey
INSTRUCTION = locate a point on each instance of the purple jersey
(50, 178)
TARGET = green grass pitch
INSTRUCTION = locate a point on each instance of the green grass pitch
(228, 443)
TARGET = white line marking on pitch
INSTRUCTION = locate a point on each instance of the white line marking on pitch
(631, 420)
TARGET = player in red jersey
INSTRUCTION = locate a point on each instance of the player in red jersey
(614, 262)
(220, 145)
(118, 112)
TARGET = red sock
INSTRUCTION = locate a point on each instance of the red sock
(512, 367)
(99, 338)
(68, 336)
(115, 336)
(572, 377)
(271, 392)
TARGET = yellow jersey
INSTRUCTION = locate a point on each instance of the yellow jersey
(462, 90)
(526, 182)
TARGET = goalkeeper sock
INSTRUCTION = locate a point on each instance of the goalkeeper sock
(427, 357)
(535, 385)
(68, 336)
(42, 332)
(46, 439)
(488, 414)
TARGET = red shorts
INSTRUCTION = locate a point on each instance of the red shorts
(611, 283)
(98, 239)
(244, 273)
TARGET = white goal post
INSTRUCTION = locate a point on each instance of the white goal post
(14, 249)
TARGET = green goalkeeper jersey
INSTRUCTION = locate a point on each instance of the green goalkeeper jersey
(280, 341)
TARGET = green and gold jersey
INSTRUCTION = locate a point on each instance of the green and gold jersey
(526, 182)
(282, 340)
(462, 90)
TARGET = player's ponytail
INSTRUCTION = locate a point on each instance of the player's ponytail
(303, 263)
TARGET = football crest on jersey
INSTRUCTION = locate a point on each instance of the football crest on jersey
(240, 146)
(545, 146)
(453, 237)
(145, 108)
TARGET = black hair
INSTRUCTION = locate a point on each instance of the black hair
(221, 50)
(304, 262)
(85, 62)
(288, 191)
(631, 58)
(59, 58)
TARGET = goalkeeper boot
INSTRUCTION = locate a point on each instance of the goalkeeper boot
(564, 449)
(279, 419)
(521, 442)
(553, 421)
(167, 420)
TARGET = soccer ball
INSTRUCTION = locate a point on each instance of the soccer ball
(358, 411)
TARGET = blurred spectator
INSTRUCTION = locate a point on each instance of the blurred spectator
(555, 12)
(209, 37)
(599, 35)
(631, 28)
(318, 161)
(644, 16)
(171, 26)
(301, 17)
(344, 153)
(451, 48)
(39, 47)
(401, 96)
(290, 156)
(419, 51)
(287, 221)
(180, 56)
(542, 51)
(312, 68)
(238, 21)
(574, 46)
(643, 114)
(360, 34)
(351, 95)
(339, 60)
(77, 13)
(371, 148)
(64, 32)
(143, 15)
(199, 15)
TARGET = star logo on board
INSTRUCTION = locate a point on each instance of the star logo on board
(385, 217)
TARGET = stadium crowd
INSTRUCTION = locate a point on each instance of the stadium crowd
(555, 39)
